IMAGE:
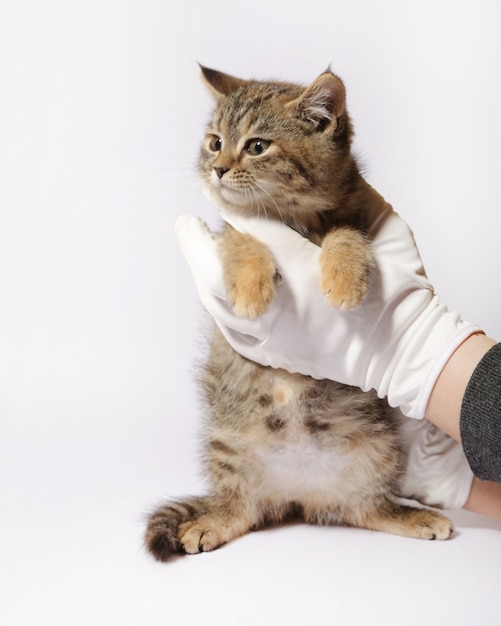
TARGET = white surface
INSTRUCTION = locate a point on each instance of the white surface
(101, 112)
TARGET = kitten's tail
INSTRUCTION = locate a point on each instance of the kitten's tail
(161, 535)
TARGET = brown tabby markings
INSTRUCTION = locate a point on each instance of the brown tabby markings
(278, 443)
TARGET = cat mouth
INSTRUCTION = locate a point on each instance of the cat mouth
(236, 195)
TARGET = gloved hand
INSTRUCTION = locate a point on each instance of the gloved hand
(437, 472)
(396, 342)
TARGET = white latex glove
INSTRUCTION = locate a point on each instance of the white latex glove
(396, 342)
(437, 472)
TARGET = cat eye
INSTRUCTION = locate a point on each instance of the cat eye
(215, 143)
(257, 146)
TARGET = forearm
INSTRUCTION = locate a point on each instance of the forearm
(465, 403)
(485, 498)
(445, 409)
(444, 405)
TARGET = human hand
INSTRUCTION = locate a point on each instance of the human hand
(436, 472)
(396, 342)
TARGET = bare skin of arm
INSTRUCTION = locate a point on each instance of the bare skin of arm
(444, 409)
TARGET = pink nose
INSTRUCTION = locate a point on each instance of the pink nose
(220, 171)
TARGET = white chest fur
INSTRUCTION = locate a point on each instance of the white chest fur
(296, 465)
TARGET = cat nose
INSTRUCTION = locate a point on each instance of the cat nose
(221, 171)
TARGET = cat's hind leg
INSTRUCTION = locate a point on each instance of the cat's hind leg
(197, 525)
(213, 529)
(228, 519)
(407, 521)
(161, 535)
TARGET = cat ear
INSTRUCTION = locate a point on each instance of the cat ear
(324, 101)
(219, 83)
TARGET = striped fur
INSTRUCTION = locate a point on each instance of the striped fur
(278, 444)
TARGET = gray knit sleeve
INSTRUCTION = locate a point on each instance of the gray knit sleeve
(480, 420)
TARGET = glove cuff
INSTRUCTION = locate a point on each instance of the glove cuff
(421, 355)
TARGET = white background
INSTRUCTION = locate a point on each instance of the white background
(101, 114)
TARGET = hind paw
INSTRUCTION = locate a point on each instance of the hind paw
(199, 536)
(411, 522)
(433, 525)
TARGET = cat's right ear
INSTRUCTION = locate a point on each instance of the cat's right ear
(219, 83)
(324, 101)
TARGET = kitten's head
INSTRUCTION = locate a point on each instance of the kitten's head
(276, 149)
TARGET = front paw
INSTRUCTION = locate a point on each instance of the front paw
(344, 288)
(249, 273)
(251, 295)
(345, 263)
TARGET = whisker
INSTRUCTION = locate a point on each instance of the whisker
(271, 197)
(255, 199)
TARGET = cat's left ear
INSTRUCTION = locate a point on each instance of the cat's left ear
(219, 83)
(324, 101)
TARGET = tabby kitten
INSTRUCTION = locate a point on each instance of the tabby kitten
(278, 443)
